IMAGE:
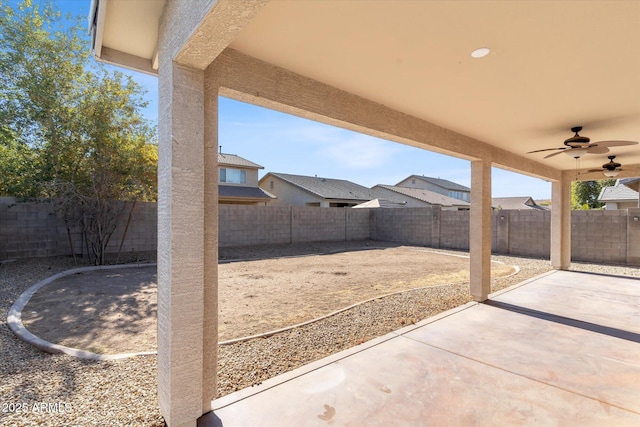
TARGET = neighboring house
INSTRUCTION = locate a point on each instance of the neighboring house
(437, 185)
(632, 183)
(620, 196)
(238, 181)
(516, 203)
(381, 203)
(300, 190)
(416, 197)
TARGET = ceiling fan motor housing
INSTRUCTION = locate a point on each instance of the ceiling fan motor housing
(611, 166)
(576, 141)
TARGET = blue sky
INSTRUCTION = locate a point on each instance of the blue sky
(288, 144)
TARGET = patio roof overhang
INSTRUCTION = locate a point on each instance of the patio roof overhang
(398, 70)
(553, 65)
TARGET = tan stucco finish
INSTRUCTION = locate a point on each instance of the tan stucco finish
(250, 80)
(480, 230)
(561, 223)
(395, 70)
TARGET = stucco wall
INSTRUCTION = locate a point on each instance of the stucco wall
(251, 176)
(286, 193)
(423, 185)
(620, 205)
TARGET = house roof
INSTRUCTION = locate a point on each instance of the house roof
(617, 193)
(381, 203)
(327, 188)
(444, 183)
(633, 183)
(507, 203)
(235, 160)
(239, 192)
(427, 196)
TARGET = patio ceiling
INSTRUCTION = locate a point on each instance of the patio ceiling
(553, 65)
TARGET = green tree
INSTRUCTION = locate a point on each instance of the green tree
(70, 129)
(584, 194)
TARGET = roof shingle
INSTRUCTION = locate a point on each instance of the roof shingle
(444, 183)
(617, 192)
(327, 188)
(512, 203)
(430, 197)
(235, 160)
(243, 192)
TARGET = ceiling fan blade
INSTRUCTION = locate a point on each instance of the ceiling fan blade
(615, 143)
(594, 170)
(597, 150)
(554, 154)
(547, 149)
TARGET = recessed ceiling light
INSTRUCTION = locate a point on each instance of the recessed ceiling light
(481, 52)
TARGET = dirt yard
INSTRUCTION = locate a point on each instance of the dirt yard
(114, 311)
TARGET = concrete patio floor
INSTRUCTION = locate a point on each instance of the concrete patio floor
(559, 349)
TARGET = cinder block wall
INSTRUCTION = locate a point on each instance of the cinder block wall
(404, 225)
(454, 230)
(33, 230)
(358, 227)
(312, 224)
(529, 232)
(142, 233)
(633, 236)
(253, 225)
(599, 236)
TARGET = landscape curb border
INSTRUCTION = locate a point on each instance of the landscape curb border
(14, 318)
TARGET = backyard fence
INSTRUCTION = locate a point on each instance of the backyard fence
(34, 230)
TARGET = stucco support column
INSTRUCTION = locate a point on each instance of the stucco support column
(561, 223)
(187, 245)
(480, 229)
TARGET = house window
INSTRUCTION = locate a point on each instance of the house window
(460, 195)
(413, 181)
(233, 176)
(270, 185)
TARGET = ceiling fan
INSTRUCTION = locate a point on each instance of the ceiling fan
(578, 145)
(610, 169)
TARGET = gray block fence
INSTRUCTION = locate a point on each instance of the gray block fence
(34, 230)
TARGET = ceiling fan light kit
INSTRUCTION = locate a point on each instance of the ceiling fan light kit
(610, 169)
(575, 152)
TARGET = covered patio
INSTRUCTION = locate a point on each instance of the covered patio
(408, 72)
(560, 349)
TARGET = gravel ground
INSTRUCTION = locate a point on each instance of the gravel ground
(37, 388)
